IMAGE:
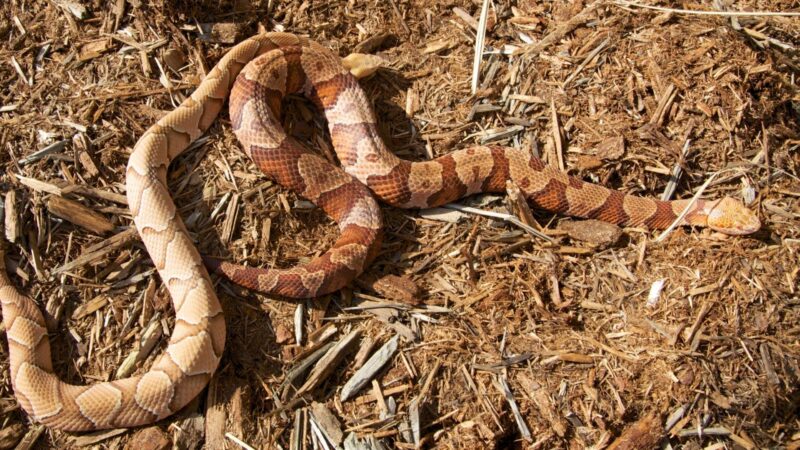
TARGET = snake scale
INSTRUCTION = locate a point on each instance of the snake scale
(271, 66)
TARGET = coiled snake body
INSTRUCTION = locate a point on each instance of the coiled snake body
(281, 63)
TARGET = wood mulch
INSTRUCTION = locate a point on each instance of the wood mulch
(590, 338)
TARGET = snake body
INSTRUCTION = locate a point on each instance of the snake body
(276, 64)
(318, 74)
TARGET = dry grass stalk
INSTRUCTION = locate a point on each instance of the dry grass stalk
(479, 44)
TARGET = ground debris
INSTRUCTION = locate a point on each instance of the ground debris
(644, 433)
(11, 435)
(79, 215)
(592, 231)
(393, 287)
(150, 438)
(369, 369)
(646, 102)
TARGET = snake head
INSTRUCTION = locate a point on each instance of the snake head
(730, 216)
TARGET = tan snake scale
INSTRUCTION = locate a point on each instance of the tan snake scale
(282, 63)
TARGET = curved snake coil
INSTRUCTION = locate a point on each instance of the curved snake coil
(289, 64)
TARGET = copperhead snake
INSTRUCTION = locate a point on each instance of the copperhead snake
(273, 65)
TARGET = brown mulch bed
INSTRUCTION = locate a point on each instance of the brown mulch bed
(516, 342)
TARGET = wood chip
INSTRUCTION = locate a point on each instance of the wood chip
(38, 185)
(558, 138)
(502, 385)
(547, 409)
(363, 65)
(94, 49)
(76, 8)
(298, 323)
(664, 104)
(389, 316)
(372, 43)
(370, 442)
(611, 149)
(327, 423)
(231, 219)
(373, 365)
(36, 257)
(644, 433)
(297, 370)
(593, 231)
(215, 414)
(79, 215)
(563, 28)
(466, 17)
(329, 362)
(500, 134)
(370, 397)
(226, 32)
(231, 437)
(440, 45)
(588, 162)
(282, 334)
(297, 437)
(519, 205)
(150, 337)
(533, 99)
(413, 418)
(13, 228)
(90, 307)
(393, 287)
(479, 109)
(480, 37)
(175, 59)
(701, 316)
(88, 191)
(655, 292)
(10, 435)
(96, 437)
(30, 438)
(55, 147)
(766, 363)
(150, 438)
(99, 250)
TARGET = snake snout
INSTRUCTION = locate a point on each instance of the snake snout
(730, 216)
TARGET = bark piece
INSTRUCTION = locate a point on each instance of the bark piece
(644, 433)
(78, 214)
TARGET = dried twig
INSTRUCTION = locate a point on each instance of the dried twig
(505, 217)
